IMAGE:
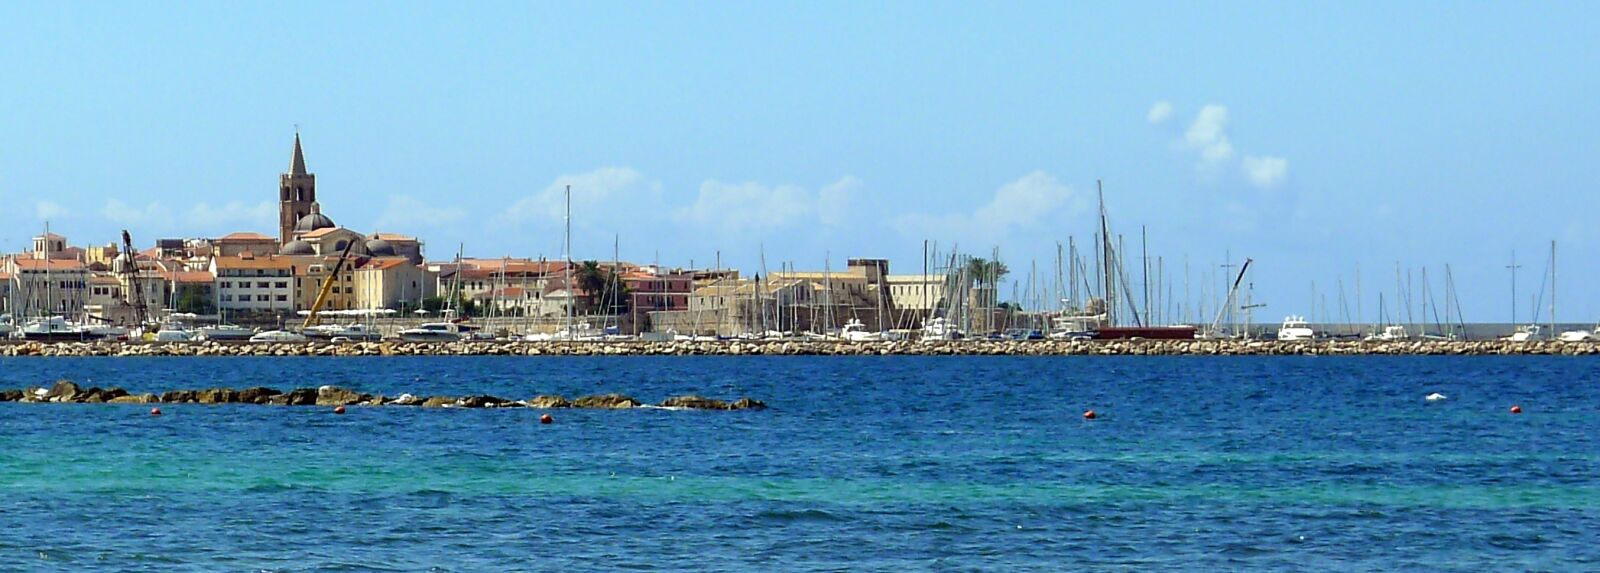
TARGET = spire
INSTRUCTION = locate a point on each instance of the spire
(297, 166)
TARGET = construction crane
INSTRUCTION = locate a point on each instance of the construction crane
(327, 287)
(130, 271)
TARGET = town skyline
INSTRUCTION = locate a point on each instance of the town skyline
(1213, 156)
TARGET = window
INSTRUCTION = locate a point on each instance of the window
(227, 298)
(282, 284)
(227, 284)
(283, 298)
(262, 298)
(262, 284)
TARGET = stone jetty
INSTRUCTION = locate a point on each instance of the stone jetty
(809, 348)
(69, 392)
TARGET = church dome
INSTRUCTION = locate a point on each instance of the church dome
(297, 247)
(312, 222)
(381, 248)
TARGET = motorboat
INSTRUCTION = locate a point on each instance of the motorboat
(1296, 329)
(224, 332)
(55, 328)
(435, 332)
(940, 328)
(1578, 335)
(1390, 333)
(347, 331)
(1524, 334)
(856, 331)
(278, 336)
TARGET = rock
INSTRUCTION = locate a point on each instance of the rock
(135, 399)
(549, 401)
(62, 391)
(336, 396)
(439, 402)
(483, 402)
(406, 400)
(694, 403)
(217, 396)
(257, 395)
(747, 404)
(606, 401)
(178, 396)
(296, 397)
(11, 396)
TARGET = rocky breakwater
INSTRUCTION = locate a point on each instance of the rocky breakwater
(810, 348)
(68, 392)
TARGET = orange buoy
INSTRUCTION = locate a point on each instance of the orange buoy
(1089, 415)
(155, 411)
(338, 409)
(547, 419)
(1516, 409)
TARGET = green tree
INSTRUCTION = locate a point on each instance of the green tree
(599, 291)
(194, 301)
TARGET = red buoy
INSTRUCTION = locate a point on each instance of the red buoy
(1089, 415)
(338, 409)
(1516, 409)
(547, 419)
(155, 411)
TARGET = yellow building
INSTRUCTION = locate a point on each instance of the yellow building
(390, 282)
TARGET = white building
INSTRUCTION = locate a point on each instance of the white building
(42, 287)
(251, 283)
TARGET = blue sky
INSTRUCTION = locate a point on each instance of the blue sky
(1313, 138)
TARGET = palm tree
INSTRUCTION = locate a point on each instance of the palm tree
(591, 280)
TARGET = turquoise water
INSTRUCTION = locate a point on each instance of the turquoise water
(862, 464)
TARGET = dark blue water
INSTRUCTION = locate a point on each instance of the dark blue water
(862, 464)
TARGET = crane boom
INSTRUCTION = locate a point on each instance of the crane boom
(327, 286)
(1232, 291)
(136, 290)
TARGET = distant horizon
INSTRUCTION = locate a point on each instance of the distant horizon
(1372, 136)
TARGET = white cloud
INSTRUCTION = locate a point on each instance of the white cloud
(594, 194)
(47, 210)
(1265, 172)
(151, 216)
(406, 212)
(1159, 113)
(833, 200)
(1027, 203)
(234, 215)
(1209, 134)
(750, 207)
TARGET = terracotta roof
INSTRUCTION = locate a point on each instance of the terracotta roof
(324, 232)
(254, 263)
(104, 280)
(392, 237)
(53, 264)
(196, 277)
(49, 235)
(245, 237)
(385, 263)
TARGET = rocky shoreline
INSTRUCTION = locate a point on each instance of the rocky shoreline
(810, 348)
(68, 392)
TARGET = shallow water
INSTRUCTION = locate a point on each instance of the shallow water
(888, 464)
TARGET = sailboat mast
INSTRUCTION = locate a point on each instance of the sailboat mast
(567, 266)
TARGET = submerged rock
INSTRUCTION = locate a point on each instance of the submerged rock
(295, 397)
(606, 401)
(549, 401)
(747, 404)
(257, 395)
(11, 396)
(694, 403)
(62, 391)
(439, 402)
(135, 399)
(336, 396)
(178, 396)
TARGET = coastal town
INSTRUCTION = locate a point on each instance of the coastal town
(368, 284)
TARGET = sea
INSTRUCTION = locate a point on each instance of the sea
(860, 464)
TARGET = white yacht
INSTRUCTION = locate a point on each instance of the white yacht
(278, 336)
(940, 328)
(1524, 334)
(55, 328)
(1390, 333)
(434, 332)
(1295, 329)
(224, 331)
(1579, 335)
(856, 331)
(349, 331)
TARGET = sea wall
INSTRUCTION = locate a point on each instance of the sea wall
(807, 348)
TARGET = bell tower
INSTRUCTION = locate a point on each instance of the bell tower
(297, 190)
